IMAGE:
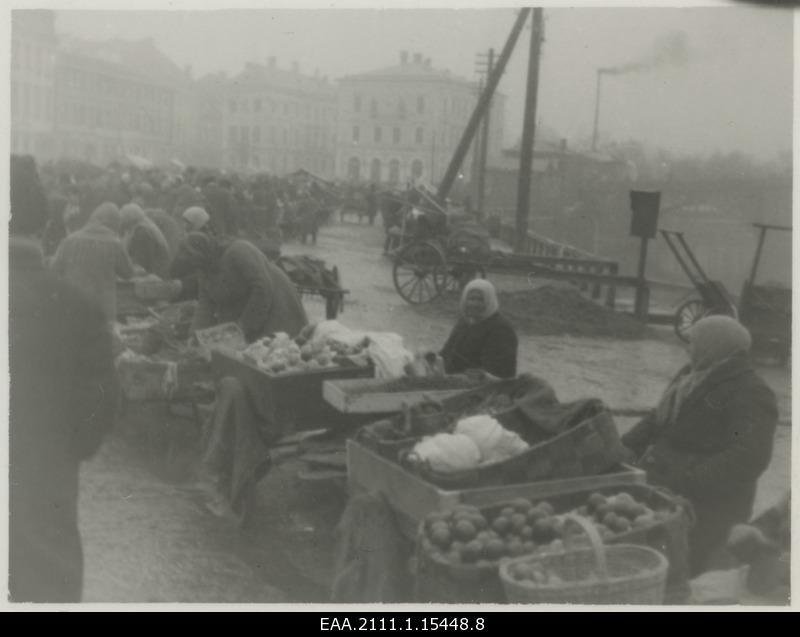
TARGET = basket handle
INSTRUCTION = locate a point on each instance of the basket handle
(596, 541)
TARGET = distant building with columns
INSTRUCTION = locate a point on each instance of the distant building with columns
(405, 121)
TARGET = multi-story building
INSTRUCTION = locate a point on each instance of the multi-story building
(279, 121)
(120, 98)
(33, 54)
(404, 122)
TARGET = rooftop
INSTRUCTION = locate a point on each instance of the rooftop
(416, 67)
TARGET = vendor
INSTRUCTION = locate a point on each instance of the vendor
(483, 338)
(144, 242)
(710, 437)
(93, 257)
(238, 284)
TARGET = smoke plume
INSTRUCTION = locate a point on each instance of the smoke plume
(670, 49)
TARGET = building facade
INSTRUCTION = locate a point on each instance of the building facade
(279, 121)
(33, 59)
(404, 122)
(118, 99)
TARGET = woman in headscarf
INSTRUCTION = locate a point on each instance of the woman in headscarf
(93, 257)
(144, 242)
(170, 227)
(238, 284)
(483, 338)
(710, 437)
(196, 219)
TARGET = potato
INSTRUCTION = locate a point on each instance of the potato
(501, 525)
(515, 547)
(495, 549)
(518, 521)
(442, 537)
(471, 552)
(522, 505)
(464, 530)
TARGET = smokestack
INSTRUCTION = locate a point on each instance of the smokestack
(563, 144)
(418, 58)
(403, 57)
(272, 62)
(295, 67)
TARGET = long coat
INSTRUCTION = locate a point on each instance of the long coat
(246, 288)
(712, 450)
(62, 398)
(92, 259)
(490, 345)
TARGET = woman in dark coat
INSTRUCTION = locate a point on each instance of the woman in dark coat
(237, 283)
(62, 398)
(710, 438)
(483, 338)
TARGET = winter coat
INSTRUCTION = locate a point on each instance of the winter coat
(148, 248)
(712, 451)
(62, 398)
(170, 227)
(490, 345)
(245, 287)
(92, 259)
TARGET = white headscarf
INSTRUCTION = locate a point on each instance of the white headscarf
(489, 297)
(196, 217)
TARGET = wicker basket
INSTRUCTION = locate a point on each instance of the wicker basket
(599, 574)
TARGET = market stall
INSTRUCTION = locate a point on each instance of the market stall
(503, 494)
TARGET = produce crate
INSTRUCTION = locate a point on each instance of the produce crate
(441, 581)
(227, 336)
(413, 498)
(377, 396)
(291, 400)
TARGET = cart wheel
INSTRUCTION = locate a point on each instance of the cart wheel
(419, 272)
(686, 316)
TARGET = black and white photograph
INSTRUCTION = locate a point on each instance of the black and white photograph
(399, 307)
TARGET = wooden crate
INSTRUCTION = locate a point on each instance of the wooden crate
(366, 396)
(413, 498)
(291, 400)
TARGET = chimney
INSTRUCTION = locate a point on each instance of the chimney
(271, 62)
(403, 57)
(418, 58)
(563, 144)
(295, 67)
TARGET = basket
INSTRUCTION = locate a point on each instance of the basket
(599, 574)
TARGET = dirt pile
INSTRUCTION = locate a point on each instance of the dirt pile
(562, 310)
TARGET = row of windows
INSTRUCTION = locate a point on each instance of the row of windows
(98, 83)
(377, 174)
(30, 102)
(397, 135)
(289, 109)
(133, 120)
(281, 163)
(30, 57)
(398, 108)
(314, 137)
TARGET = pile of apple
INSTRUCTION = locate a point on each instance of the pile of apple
(465, 535)
(618, 513)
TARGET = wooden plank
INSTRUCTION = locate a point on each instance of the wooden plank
(363, 396)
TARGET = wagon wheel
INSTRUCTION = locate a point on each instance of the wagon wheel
(419, 272)
(686, 316)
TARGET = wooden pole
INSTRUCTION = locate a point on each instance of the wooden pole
(528, 134)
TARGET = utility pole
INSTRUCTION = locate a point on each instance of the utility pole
(596, 109)
(528, 134)
(476, 154)
(484, 143)
(472, 126)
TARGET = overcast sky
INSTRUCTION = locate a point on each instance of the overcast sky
(726, 84)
